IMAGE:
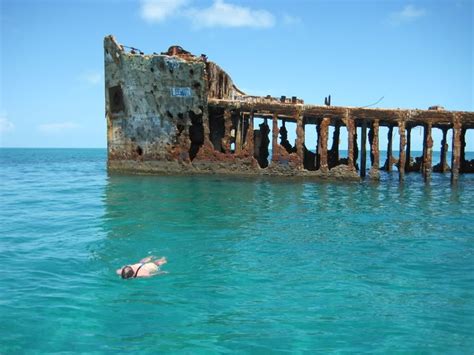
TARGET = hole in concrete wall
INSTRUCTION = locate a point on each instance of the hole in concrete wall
(310, 146)
(197, 85)
(191, 71)
(139, 150)
(216, 129)
(414, 158)
(468, 160)
(262, 140)
(152, 70)
(235, 131)
(330, 136)
(196, 133)
(367, 146)
(240, 124)
(116, 99)
(169, 114)
(441, 150)
(333, 147)
(343, 136)
(310, 137)
(287, 135)
(383, 146)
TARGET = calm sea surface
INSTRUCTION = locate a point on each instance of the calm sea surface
(255, 265)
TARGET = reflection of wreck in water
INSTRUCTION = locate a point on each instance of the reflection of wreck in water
(179, 113)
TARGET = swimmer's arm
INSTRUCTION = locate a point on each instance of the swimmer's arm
(161, 261)
(119, 271)
(147, 259)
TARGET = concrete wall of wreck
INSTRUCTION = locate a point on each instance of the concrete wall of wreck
(155, 105)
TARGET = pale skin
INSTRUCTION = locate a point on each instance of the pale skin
(144, 271)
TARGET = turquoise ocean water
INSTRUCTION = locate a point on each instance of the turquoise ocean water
(255, 265)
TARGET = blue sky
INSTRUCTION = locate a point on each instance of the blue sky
(413, 53)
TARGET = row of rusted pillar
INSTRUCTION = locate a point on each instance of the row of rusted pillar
(427, 158)
(322, 163)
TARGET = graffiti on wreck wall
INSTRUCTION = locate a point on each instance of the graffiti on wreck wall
(181, 92)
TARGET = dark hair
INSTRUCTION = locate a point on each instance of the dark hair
(127, 272)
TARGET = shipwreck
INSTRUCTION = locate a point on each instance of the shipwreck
(176, 112)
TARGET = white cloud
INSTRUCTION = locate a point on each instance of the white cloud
(57, 127)
(159, 10)
(407, 14)
(291, 20)
(5, 124)
(91, 77)
(219, 14)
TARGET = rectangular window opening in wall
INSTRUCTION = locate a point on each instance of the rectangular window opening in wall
(262, 139)
(116, 103)
(240, 125)
(310, 146)
(467, 157)
(216, 129)
(287, 135)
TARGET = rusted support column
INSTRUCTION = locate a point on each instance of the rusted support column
(371, 140)
(350, 143)
(363, 151)
(374, 150)
(462, 167)
(227, 128)
(456, 157)
(275, 131)
(238, 134)
(403, 142)
(388, 162)
(249, 142)
(300, 137)
(408, 154)
(323, 145)
(356, 148)
(444, 150)
(317, 162)
(428, 157)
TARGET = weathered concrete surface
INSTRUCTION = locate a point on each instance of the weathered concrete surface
(154, 105)
(175, 112)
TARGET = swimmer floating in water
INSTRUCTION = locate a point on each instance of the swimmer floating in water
(145, 268)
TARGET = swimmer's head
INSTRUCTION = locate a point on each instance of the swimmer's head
(127, 272)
